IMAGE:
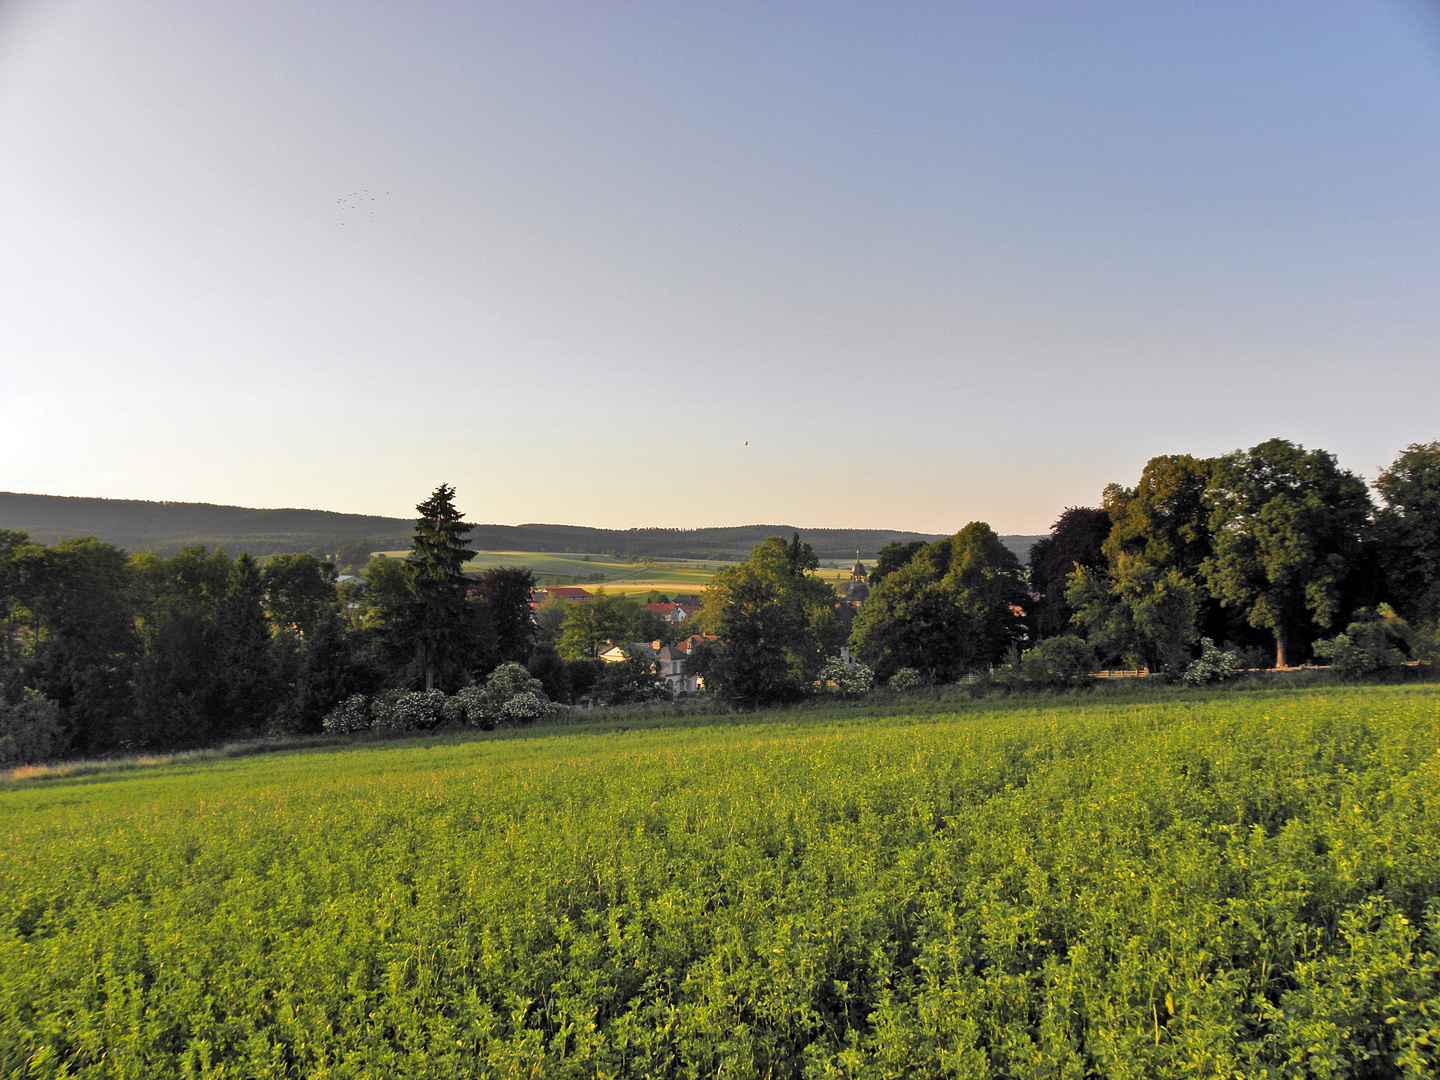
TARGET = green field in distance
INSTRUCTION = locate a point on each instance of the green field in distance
(1149, 885)
(621, 575)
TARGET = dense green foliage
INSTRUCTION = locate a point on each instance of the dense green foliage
(1275, 552)
(1268, 549)
(143, 651)
(1212, 886)
(1409, 528)
(776, 621)
(1286, 525)
(586, 629)
(1074, 543)
(439, 622)
(953, 607)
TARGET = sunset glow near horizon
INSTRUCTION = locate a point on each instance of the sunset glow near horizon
(834, 265)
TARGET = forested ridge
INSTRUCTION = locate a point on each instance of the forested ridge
(166, 527)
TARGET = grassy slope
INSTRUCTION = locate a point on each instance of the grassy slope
(1209, 885)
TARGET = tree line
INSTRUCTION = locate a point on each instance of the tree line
(1276, 550)
(104, 651)
(1276, 553)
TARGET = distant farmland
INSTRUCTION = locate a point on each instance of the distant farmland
(598, 570)
(618, 574)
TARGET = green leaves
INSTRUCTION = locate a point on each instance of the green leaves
(776, 623)
(1216, 886)
(955, 606)
(1287, 527)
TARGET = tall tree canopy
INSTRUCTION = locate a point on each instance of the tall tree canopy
(204, 674)
(1144, 604)
(1409, 528)
(442, 625)
(1164, 519)
(69, 632)
(1136, 613)
(591, 625)
(892, 557)
(776, 622)
(956, 606)
(1074, 543)
(505, 592)
(299, 590)
(1287, 525)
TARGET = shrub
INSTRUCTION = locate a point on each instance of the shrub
(525, 708)
(1066, 657)
(510, 696)
(351, 715)
(907, 678)
(30, 729)
(1377, 640)
(510, 679)
(1211, 666)
(1426, 647)
(1056, 661)
(849, 680)
(466, 707)
(408, 710)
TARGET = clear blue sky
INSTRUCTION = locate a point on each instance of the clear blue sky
(933, 262)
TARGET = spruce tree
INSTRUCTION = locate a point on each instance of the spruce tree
(442, 622)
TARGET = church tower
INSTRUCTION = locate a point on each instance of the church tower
(859, 588)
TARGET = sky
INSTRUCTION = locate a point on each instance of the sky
(838, 264)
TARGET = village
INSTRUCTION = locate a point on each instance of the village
(670, 654)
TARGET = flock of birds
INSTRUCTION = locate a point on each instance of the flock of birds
(357, 201)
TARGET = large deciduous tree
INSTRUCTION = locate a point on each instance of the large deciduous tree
(1409, 529)
(607, 619)
(1137, 613)
(505, 592)
(892, 557)
(69, 632)
(776, 623)
(1287, 526)
(299, 590)
(1164, 519)
(591, 625)
(205, 674)
(956, 606)
(1143, 605)
(1074, 543)
(12, 611)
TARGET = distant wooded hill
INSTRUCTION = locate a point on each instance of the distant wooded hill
(166, 527)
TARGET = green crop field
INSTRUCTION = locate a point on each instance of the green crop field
(617, 575)
(1208, 885)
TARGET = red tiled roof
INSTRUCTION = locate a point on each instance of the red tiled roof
(568, 592)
